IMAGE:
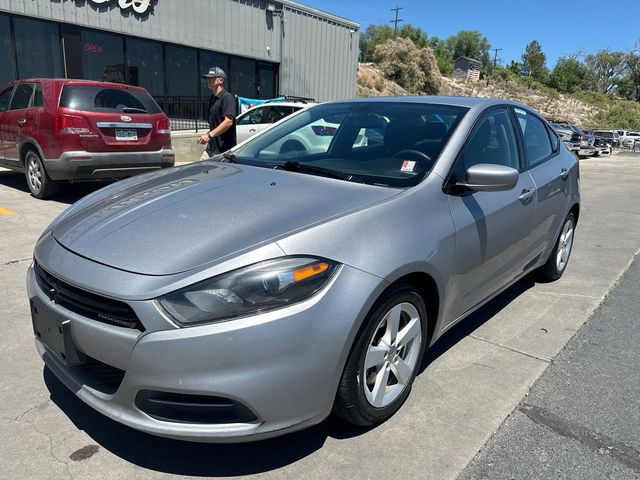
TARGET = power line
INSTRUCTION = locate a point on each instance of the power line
(396, 21)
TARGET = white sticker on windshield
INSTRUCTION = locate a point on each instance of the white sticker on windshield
(408, 166)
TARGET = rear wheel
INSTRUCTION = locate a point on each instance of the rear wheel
(384, 360)
(559, 257)
(40, 185)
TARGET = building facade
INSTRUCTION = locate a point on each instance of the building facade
(268, 48)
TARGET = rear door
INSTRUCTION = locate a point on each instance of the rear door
(15, 121)
(5, 99)
(494, 241)
(112, 118)
(549, 167)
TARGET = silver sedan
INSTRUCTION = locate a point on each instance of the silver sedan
(304, 273)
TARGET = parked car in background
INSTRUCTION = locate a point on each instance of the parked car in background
(578, 141)
(262, 116)
(57, 130)
(600, 143)
(628, 138)
(612, 137)
(268, 318)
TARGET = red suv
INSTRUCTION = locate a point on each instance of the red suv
(55, 130)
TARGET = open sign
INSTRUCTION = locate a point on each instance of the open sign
(93, 48)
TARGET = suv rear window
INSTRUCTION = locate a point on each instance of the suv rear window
(112, 100)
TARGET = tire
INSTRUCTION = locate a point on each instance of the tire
(360, 402)
(39, 183)
(559, 258)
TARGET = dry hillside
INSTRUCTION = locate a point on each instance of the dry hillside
(371, 83)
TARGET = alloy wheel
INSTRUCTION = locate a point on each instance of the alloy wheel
(392, 355)
(34, 172)
(565, 242)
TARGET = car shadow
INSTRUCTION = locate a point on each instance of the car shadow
(69, 192)
(223, 460)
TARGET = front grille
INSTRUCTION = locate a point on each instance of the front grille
(87, 304)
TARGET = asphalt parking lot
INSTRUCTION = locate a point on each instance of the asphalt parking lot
(471, 381)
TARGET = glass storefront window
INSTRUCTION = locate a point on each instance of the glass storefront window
(182, 70)
(145, 65)
(208, 60)
(7, 72)
(242, 77)
(102, 56)
(37, 48)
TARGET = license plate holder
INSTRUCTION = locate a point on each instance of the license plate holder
(126, 135)
(56, 334)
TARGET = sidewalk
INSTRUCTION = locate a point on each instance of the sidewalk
(582, 418)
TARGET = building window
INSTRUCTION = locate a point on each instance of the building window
(242, 77)
(37, 48)
(102, 56)
(6, 52)
(182, 71)
(145, 65)
(266, 80)
(208, 60)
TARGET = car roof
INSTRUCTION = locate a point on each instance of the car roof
(468, 102)
(285, 104)
(79, 82)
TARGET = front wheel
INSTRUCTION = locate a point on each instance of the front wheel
(559, 257)
(40, 185)
(385, 359)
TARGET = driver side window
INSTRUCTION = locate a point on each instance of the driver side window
(493, 142)
(5, 97)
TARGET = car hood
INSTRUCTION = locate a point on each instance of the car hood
(203, 213)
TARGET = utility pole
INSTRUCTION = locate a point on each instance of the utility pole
(396, 21)
(495, 57)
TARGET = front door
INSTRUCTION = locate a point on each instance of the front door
(493, 229)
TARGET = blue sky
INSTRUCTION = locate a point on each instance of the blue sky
(509, 24)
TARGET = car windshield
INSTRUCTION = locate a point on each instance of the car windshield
(393, 144)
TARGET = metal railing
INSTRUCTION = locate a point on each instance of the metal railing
(185, 113)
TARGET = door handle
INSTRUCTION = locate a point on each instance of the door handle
(564, 173)
(252, 130)
(526, 195)
(22, 121)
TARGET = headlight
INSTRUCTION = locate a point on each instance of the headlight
(249, 290)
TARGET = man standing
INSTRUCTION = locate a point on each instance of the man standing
(222, 116)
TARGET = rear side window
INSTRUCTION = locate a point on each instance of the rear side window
(21, 97)
(537, 143)
(111, 100)
(37, 96)
(555, 142)
(4, 99)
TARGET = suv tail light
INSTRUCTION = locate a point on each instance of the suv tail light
(163, 126)
(72, 124)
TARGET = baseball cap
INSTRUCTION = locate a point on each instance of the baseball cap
(215, 72)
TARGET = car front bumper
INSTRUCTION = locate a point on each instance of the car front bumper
(80, 165)
(284, 366)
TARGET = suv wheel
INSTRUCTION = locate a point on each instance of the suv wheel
(40, 185)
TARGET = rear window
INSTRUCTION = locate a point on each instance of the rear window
(112, 100)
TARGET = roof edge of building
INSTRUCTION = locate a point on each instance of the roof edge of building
(329, 16)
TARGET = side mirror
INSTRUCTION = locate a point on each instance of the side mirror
(487, 177)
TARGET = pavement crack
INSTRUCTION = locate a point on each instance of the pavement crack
(51, 454)
(596, 442)
(13, 262)
(545, 360)
(19, 417)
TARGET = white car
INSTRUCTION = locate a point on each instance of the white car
(262, 116)
(628, 139)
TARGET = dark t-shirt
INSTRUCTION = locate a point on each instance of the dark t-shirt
(221, 106)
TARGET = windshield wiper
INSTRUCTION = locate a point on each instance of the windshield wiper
(230, 157)
(326, 172)
(133, 110)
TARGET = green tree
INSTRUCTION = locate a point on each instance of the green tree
(375, 35)
(534, 61)
(443, 54)
(515, 67)
(606, 68)
(470, 44)
(568, 76)
(630, 85)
